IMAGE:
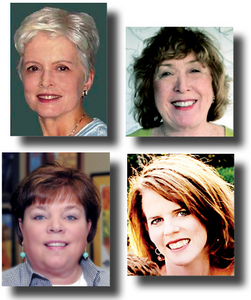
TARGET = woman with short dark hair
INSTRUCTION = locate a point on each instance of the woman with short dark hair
(55, 210)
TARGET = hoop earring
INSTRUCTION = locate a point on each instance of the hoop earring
(85, 254)
(85, 93)
(22, 254)
(160, 256)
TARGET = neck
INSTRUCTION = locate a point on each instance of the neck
(64, 125)
(65, 278)
(202, 130)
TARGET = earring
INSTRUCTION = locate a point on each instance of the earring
(213, 100)
(85, 93)
(22, 254)
(160, 256)
(85, 254)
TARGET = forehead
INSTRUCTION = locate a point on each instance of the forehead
(152, 201)
(57, 47)
(188, 59)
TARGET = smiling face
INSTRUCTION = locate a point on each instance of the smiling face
(53, 76)
(178, 235)
(183, 92)
(55, 235)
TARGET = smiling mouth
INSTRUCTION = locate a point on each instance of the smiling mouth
(56, 244)
(184, 103)
(48, 97)
(179, 244)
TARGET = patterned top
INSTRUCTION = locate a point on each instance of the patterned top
(23, 275)
(95, 128)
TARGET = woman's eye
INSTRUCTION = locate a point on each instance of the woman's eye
(156, 221)
(62, 68)
(165, 74)
(183, 213)
(195, 71)
(39, 217)
(71, 218)
(32, 68)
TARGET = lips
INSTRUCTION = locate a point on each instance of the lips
(183, 104)
(48, 97)
(56, 244)
(178, 244)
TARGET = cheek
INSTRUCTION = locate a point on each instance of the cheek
(206, 88)
(29, 84)
(32, 233)
(199, 230)
(156, 236)
(79, 233)
(162, 92)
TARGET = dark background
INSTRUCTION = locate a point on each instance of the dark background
(224, 163)
(24, 122)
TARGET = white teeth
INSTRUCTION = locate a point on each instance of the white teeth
(183, 103)
(56, 245)
(48, 97)
(179, 244)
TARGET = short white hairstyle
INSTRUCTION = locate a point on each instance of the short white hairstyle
(79, 28)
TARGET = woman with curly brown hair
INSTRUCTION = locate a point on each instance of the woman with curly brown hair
(181, 216)
(180, 85)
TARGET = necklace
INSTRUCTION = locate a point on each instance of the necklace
(74, 130)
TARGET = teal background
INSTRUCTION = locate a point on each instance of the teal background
(24, 122)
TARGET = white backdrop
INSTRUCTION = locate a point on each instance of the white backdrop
(131, 13)
(135, 36)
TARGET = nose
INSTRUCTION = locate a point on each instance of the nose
(182, 84)
(46, 79)
(55, 226)
(171, 227)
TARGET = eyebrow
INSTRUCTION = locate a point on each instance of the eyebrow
(54, 63)
(69, 207)
(157, 216)
(42, 207)
(171, 65)
(45, 207)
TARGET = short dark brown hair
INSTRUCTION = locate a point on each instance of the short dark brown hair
(176, 43)
(47, 182)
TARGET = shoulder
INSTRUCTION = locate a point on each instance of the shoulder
(216, 130)
(95, 128)
(13, 276)
(141, 132)
(228, 131)
(94, 275)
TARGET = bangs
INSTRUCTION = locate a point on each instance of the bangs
(50, 194)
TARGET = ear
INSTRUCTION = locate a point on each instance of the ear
(89, 226)
(89, 82)
(20, 223)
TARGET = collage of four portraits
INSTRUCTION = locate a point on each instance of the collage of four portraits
(57, 205)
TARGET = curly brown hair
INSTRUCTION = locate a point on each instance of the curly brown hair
(176, 43)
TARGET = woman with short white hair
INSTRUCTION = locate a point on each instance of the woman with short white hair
(57, 55)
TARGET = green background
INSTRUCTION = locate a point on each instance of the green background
(24, 122)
